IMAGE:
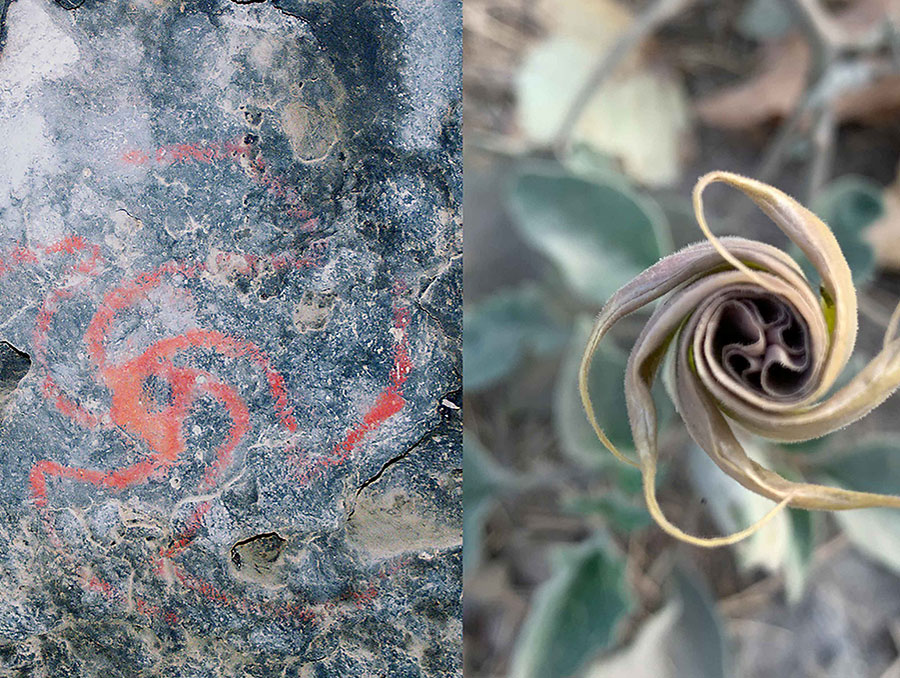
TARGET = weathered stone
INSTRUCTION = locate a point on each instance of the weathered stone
(229, 338)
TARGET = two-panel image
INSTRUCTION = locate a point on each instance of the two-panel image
(443, 338)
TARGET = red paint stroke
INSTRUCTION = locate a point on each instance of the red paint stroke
(242, 151)
(388, 403)
(159, 425)
(278, 186)
(20, 254)
(51, 390)
(132, 411)
(314, 256)
(297, 614)
(205, 152)
(359, 598)
(184, 538)
(82, 268)
(370, 590)
(91, 582)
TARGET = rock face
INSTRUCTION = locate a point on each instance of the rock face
(229, 338)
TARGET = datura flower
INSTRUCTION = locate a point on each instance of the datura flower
(749, 342)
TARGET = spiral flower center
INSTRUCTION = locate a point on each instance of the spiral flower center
(763, 344)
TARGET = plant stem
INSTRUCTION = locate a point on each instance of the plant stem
(654, 16)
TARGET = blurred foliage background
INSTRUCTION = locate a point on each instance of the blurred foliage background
(586, 124)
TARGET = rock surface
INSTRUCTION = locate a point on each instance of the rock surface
(229, 338)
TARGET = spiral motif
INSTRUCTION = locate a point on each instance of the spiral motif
(751, 342)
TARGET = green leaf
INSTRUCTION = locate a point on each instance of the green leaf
(874, 466)
(849, 205)
(648, 654)
(679, 214)
(473, 532)
(734, 507)
(799, 557)
(685, 639)
(622, 513)
(875, 532)
(483, 481)
(585, 162)
(483, 478)
(599, 235)
(807, 446)
(639, 117)
(630, 480)
(764, 20)
(548, 82)
(701, 645)
(574, 614)
(606, 383)
(502, 329)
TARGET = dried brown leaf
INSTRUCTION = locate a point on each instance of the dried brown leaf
(884, 234)
(777, 87)
(772, 93)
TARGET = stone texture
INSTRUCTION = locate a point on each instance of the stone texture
(229, 367)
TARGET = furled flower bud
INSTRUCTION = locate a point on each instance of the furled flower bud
(753, 343)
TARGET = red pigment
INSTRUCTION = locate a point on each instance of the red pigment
(131, 411)
(210, 152)
(387, 404)
(160, 427)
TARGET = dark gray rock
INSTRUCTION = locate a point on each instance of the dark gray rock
(229, 338)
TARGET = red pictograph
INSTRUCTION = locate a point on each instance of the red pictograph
(243, 151)
(133, 411)
(154, 426)
(387, 404)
